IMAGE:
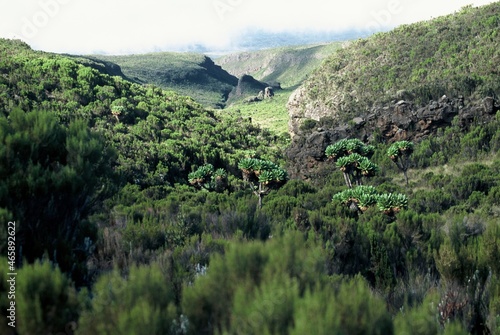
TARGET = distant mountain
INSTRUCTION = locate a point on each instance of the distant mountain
(209, 82)
(256, 40)
(259, 39)
(288, 66)
(190, 74)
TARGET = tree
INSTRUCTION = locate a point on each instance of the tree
(362, 197)
(51, 177)
(399, 152)
(262, 176)
(208, 178)
(47, 301)
(352, 158)
(143, 302)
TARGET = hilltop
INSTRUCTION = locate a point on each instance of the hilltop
(406, 84)
(190, 74)
(454, 55)
(288, 66)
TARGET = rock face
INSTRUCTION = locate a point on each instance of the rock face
(399, 121)
(248, 87)
(301, 108)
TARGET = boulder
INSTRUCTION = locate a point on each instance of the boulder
(268, 92)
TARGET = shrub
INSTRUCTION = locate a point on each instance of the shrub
(353, 309)
(140, 303)
(46, 300)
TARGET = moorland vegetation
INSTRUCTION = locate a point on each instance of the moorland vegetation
(136, 208)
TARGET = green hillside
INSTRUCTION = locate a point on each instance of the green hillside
(451, 55)
(190, 74)
(270, 114)
(288, 66)
(130, 209)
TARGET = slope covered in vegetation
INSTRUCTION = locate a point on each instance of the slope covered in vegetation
(194, 75)
(452, 55)
(288, 66)
(62, 120)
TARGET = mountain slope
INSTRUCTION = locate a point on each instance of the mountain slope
(190, 74)
(159, 134)
(451, 55)
(287, 65)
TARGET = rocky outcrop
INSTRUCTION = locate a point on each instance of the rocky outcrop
(247, 87)
(268, 92)
(252, 90)
(301, 107)
(401, 120)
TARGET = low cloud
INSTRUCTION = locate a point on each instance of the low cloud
(131, 26)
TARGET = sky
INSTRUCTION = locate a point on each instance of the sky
(139, 26)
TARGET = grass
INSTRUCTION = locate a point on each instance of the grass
(418, 177)
(271, 114)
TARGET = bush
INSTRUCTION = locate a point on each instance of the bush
(353, 309)
(140, 303)
(46, 300)
(251, 289)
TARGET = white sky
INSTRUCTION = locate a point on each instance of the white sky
(134, 26)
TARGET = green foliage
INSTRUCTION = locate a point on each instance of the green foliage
(51, 176)
(140, 303)
(46, 300)
(347, 147)
(392, 203)
(425, 59)
(419, 320)
(208, 178)
(351, 157)
(400, 148)
(399, 152)
(362, 196)
(262, 175)
(352, 309)
(242, 292)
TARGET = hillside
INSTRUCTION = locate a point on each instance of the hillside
(190, 74)
(452, 55)
(288, 66)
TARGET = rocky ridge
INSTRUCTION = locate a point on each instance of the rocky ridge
(401, 120)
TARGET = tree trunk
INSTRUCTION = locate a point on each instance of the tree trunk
(406, 176)
(347, 180)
